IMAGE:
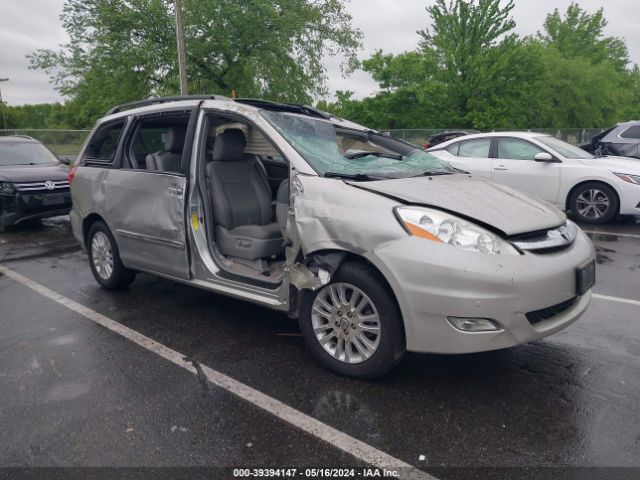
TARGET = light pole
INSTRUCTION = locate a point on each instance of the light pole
(182, 64)
(4, 117)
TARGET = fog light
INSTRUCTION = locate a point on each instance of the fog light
(474, 324)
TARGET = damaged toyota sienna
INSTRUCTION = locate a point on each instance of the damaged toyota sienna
(376, 246)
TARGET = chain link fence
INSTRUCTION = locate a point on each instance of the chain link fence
(62, 142)
(576, 136)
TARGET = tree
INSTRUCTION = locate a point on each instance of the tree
(469, 71)
(631, 102)
(40, 116)
(576, 93)
(587, 82)
(580, 34)
(125, 50)
(480, 60)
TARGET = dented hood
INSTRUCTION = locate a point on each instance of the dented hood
(497, 206)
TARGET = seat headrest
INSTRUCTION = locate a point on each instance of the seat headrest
(229, 146)
(174, 139)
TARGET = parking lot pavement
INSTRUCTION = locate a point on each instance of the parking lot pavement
(71, 389)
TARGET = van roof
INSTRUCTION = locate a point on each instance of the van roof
(251, 102)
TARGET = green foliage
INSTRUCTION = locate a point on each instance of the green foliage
(580, 34)
(631, 103)
(126, 50)
(470, 70)
(574, 92)
(45, 115)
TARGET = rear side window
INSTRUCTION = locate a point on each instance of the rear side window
(475, 148)
(631, 132)
(454, 148)
(158, 142)
(103, 145)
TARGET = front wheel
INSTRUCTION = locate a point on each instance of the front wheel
(104, 259)
(594, 202)
(352, 325)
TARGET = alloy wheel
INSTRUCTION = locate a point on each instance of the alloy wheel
(101, 255)
(346, 323)
(592, 203)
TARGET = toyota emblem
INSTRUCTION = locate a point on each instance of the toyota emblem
(49, 185)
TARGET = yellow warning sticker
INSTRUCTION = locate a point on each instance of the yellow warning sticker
(195, 222)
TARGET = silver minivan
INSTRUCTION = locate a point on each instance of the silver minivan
(376, 246)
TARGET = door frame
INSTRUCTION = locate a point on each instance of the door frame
(205, 265)
(182, 183)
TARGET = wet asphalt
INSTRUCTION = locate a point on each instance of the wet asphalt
(75, 394)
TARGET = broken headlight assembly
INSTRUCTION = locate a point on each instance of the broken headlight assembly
(7, 188)
(447, 229)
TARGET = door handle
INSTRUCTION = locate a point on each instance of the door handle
(174, 190)
(501, 167)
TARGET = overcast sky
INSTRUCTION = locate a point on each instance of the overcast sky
(26, 25)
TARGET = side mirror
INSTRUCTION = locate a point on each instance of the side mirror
(544, 157)
(65, 160)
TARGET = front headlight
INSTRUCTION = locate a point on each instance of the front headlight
(628, 178)
(7, 188)
(447, 229)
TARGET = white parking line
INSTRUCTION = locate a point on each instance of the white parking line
(310, 425)
(616, 299)
(611, 234)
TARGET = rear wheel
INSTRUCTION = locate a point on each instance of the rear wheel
(352, 325)
(104, 259)
(594, 202)
(3, 227)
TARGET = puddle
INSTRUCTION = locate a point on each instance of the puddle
(63, 340)
(601, 255)
(67, 391)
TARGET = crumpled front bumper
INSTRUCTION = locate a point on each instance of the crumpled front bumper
(18, 208)
(432, 282)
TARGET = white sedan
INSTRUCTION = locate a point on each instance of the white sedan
(594, 189)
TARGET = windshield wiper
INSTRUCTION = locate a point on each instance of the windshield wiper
(433, 173)
(352, 176)
(394, 156)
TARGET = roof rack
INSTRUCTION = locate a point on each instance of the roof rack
(284, 107)
(158, 100)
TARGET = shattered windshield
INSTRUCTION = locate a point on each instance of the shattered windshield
(333, 150)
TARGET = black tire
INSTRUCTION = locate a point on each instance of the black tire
(120, 277)
(604, 191)
(391, 346)
(3, 227)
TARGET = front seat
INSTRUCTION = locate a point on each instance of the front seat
(169, 159)
(241, 197)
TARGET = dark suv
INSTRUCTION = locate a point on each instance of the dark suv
(446, 135)
(623, 140)
(33, 182)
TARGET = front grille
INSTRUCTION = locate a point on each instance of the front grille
(543, 314)
(549, 250)
(545, 242)
(55, 186)
(530, 236)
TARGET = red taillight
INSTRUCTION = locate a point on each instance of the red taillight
(426, 145)
(72, 174)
